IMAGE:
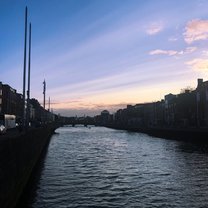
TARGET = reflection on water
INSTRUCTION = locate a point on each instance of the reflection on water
(100, 167)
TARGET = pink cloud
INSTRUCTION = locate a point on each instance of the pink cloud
(198, 64)
(154, 28)
(88, 109)
(196, 30)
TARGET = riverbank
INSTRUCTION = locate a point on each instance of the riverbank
(19, 154)
(185, 134)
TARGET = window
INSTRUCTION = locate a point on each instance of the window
(0, 92)
(0, 101)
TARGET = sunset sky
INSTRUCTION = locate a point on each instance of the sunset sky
(105, 54)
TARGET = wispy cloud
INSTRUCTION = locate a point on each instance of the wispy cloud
(205, 52)
(88, 105)
(99, 46)
(88, 108)
(114, 89)
(188, 50)
(172, 39)
(198, 64)
(163, 52)
(196, 30)
(154, 28)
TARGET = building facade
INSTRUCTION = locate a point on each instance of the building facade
(10, 101)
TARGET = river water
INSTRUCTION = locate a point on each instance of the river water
(101, 167)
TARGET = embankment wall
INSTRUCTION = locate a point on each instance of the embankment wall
(18, 156)
(186, 134)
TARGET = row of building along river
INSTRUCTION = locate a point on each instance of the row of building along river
(102, 167)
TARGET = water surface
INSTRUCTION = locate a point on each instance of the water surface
(101, 167)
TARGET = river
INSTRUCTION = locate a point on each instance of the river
(101, 167)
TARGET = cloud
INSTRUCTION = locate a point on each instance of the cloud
(163, 52)
(154, 28)
(205, 53)
(65, 102)
(196, 30)
(89, 109)
(71, 112)
(188, 50)
(198, 64)
(172, 39)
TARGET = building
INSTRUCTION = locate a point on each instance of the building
(1, 91)
(169, 109)
(10, 101)
(105, 116)
(202, 103)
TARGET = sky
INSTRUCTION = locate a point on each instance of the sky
(105, 54)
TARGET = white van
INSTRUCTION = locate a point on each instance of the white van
(8, 121)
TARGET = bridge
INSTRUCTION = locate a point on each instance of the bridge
(85, 121)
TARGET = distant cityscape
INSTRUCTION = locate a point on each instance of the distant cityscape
(189, 109)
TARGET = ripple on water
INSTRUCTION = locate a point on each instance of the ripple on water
(100, 167)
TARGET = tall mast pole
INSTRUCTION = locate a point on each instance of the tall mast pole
(24, 70)
(44, 90)
(28, 91)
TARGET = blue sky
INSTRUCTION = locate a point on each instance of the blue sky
(104, 54)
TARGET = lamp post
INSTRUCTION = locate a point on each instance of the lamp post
(44, 93)
(49, 104)
(24, 71)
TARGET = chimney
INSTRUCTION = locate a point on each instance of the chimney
(200, 83)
